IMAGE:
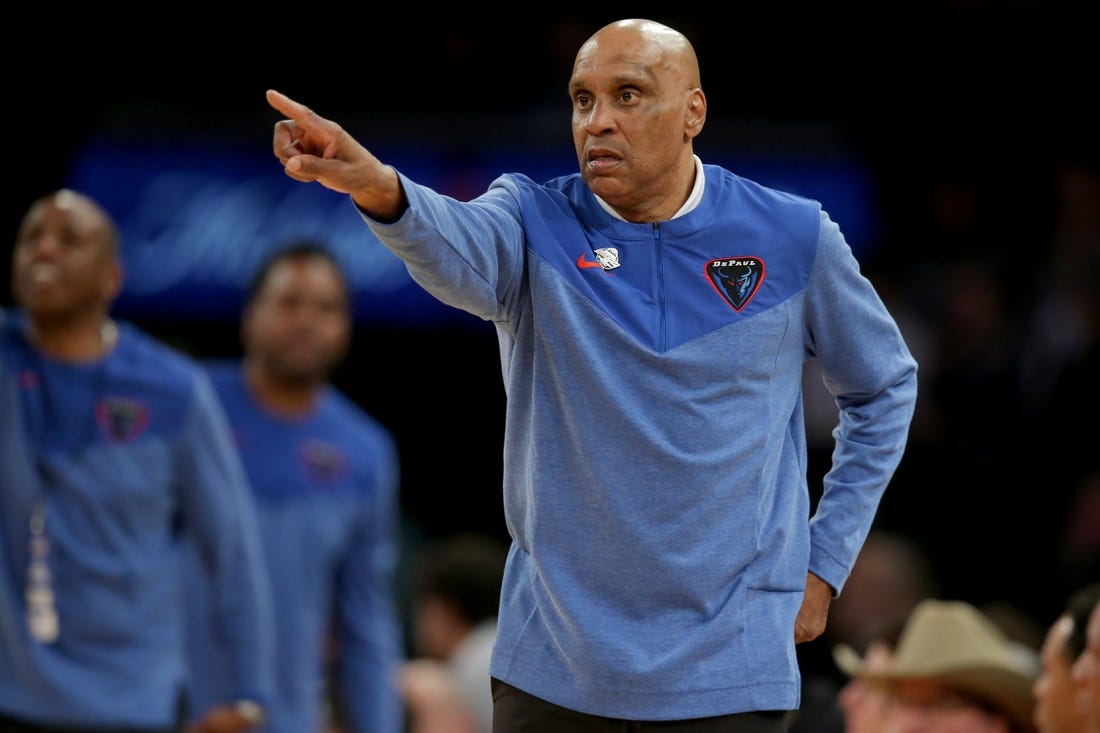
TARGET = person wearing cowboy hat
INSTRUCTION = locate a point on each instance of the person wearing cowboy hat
(953, 671)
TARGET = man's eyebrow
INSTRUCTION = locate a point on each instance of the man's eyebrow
(619, 82)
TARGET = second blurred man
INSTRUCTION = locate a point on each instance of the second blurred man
(326, 476)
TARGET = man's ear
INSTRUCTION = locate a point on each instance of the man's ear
(110, 284)
(696, 114)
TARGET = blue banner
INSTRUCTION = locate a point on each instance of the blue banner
(197, 217)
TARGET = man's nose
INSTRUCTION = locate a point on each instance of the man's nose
(44, 244)
(601, 118)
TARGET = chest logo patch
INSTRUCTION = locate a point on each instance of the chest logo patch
(324, 462)
(736, 279)
(120, 419)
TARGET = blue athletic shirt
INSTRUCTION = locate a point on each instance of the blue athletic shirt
(326, 492)
(655, 482)
(125, 452)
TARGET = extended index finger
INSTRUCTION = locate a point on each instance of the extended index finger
(290, 134)
(294, 110)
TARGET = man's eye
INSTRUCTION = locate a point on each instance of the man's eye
(628, 96)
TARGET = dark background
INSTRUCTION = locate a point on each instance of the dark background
(984, 103)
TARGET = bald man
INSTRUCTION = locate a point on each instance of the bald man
(654, 315)
(111, 444)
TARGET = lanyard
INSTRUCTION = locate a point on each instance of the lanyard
(51, 417)
(42, 619)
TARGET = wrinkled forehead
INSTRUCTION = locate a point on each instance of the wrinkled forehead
(619, 49)
(629, 68)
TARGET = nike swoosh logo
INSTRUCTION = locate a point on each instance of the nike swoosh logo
(583, 263)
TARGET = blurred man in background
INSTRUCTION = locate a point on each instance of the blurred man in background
(111, 444)
(325, 477)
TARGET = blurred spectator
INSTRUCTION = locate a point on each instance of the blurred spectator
(1056, 706)
(325, 476)
(111, 445)
(1086, 672)
(433, 701)
(954, 670)
(456, 596)
(866, 706)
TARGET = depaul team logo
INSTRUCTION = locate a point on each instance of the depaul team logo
(736, 278)
(120, 419)
(324, 462)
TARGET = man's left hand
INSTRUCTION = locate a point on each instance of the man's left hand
(814, 611)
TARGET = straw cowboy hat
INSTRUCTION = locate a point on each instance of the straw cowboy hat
(956, 645)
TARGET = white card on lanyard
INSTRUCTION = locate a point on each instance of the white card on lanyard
(42, 619)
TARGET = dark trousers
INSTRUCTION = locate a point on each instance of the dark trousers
(515, 711)
(11, 725)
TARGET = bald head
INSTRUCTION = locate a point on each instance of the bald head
(637, 107)
(85, 217)
(653, 43)
(65, 265)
